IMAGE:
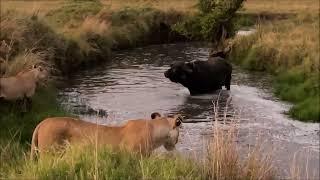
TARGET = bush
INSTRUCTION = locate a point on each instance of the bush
(214, 23)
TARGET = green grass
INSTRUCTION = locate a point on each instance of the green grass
(15, 121)
(90, 163)
(17, 127)
(303, 92)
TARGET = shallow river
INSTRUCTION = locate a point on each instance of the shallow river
(133, 86)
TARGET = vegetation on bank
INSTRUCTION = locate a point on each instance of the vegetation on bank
(288, 48)
(67, 39)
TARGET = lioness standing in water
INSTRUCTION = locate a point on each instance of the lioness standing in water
(142, 136)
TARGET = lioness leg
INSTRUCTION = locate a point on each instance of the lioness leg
(29, 104)
(20, 105)
(23, 104)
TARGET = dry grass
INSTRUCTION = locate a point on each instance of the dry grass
(164, 5)
(281, 6)
(253, 6)
(223, 158)
(300, 170)
(285, 44)
(43, 7)
(224, 162)
(30, 7)
(94, 24)
(13, 58)
(11, 33)
(24, 61)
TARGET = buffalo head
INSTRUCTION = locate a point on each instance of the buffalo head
(179, 71)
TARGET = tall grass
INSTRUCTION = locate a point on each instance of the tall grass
(281, 6)
(80, 163)
(43, 7)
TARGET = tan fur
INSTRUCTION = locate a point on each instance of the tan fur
(22, 85)
(142, 136)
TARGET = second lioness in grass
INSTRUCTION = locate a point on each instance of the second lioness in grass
(23, 85)
(141, 136)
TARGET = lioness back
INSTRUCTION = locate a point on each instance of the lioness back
(136, 135)
(61, 130)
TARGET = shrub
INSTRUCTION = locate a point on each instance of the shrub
(214, 23)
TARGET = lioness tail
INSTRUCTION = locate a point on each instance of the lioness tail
(34, 143)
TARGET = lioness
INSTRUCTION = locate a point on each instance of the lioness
(136, 135)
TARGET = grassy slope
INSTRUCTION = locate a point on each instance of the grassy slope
(71, 39)
(289, 48)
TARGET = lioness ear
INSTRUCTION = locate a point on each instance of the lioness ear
(155, 115)
(34, 66)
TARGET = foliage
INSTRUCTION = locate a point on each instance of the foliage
(214, 23)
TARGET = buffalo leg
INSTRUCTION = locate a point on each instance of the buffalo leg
(228, 81)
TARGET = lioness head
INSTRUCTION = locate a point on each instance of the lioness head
(179, 72)
(40, 72)
(173, 135)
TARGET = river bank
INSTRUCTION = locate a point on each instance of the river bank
(288, 48)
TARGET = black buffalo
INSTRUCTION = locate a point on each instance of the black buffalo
(201, 76)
